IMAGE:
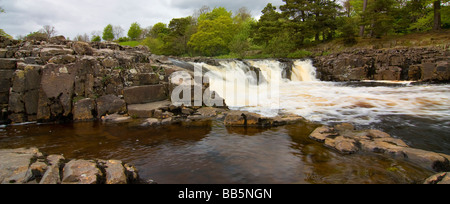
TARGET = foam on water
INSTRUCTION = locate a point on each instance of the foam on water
(325, 102)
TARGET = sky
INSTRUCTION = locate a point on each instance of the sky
(73, 17)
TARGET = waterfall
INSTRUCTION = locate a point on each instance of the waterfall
(303, 71)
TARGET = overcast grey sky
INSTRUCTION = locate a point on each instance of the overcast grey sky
(72, 17)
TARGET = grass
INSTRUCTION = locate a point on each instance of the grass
(130, 43)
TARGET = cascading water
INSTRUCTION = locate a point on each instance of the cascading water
(324, 102)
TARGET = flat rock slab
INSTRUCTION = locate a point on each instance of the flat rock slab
(14, 165)
(145, 94)
(146, 110)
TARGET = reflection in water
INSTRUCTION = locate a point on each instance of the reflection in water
(212, 153)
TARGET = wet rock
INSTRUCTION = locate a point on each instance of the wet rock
(110, 104)
(322, 133)
(247, 119)
(345, 145)
(116, 118)
(84, 110)
(147, 110)
(377, 134)
(81, 172)
(346, 140)
(151, 122)
(56, 101)
(115, 172)
(440, 178)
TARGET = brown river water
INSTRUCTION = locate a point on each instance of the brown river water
(205, 153)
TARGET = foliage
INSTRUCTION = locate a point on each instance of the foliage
(96, 38)
(123, 39)
(299, 54)
(4, 34)
(214, 33)
(37, 36)
(108, 34)
(135, 31)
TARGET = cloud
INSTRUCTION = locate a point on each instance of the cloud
(72, 17)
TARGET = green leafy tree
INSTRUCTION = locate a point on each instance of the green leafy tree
(180, 32)
(96, 38)
(135, 31)
(108, 34)
(159, 30)
(214, 34)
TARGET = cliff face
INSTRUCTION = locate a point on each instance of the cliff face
(416, 64)
(64, 80)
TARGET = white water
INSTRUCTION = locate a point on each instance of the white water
(324, 102)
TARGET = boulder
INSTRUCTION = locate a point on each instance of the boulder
(116, 118)
(84, 110)
(145, 94)
(115, 172)
(322, 133)
(342, 144)
(81, 172)
(110, 62)
(246, 119)
(110, 104)
(49, 52)
(82, 48)
(56, 92)
(146, 110)
(151, 122)
(62, 59)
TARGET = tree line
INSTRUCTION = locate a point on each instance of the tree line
(280, 31)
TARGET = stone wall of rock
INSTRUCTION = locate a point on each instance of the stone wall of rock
(63, 80)
(416, 64)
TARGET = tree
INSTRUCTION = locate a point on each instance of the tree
(108, 33)
(180, 32)
(268, 25)
(48, 30)
(362, 27)
(118, 32)
(437, 15)
(135, 31)
(159, 30)
(96, 38)
(215, 32)
(2, 10)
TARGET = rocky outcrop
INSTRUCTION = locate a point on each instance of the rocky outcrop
(247, 119)
(29, 166)
(62, 80)
(346, 140)
(415, 64)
